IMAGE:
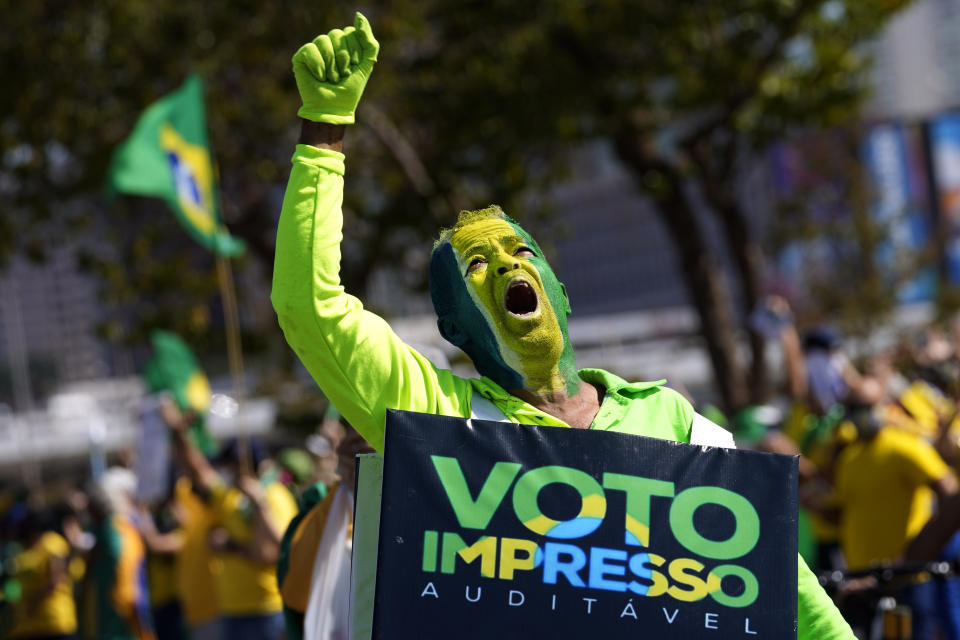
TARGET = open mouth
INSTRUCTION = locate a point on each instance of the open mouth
(521, 298)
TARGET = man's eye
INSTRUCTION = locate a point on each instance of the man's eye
(524, 252)
(476, 264)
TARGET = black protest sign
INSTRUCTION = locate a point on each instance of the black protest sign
(492, 529)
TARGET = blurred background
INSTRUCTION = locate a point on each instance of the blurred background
(679, 160)
(701, 175)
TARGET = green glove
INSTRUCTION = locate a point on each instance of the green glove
(332, 71)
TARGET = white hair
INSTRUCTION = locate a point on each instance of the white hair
(117, 486)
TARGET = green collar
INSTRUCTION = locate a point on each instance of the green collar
(617, 389)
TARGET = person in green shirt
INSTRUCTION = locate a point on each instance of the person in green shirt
(495, 295)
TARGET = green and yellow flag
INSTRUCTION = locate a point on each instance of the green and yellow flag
(168, 156)
(174, 369)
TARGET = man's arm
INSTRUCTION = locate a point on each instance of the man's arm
(264, 545)
(168, 543)
(778, 310)
(356, 359)
(935, 534)
(940, 528)
(201, 473)
(927, 544)
(796, 363)
(945, 487)
(322, 135)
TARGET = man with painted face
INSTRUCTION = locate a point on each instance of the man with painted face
(495, 297)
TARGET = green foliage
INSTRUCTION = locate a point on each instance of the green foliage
(79, 75)
(830, 220)
(471, 103)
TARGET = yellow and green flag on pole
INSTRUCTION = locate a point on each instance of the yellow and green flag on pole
(168, 156)
(174, 369)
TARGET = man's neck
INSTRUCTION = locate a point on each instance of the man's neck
(577, 410)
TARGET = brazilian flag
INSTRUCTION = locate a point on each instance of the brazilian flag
(174, 369)
(168, 156)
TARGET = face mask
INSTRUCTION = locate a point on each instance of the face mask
(497, 298)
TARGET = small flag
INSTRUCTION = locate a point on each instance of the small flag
(168, 156)
(174, 369)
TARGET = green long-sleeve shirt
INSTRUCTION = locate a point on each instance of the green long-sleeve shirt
(364, 368)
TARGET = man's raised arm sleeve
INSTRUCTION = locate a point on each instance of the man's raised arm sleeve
(355, 357)
(818, 617)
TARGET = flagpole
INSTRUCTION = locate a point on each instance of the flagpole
(228, 294)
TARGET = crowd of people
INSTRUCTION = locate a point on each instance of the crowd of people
(878, 442)
(198, 562)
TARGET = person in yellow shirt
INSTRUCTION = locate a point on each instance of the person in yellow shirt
(251, 514)
(196, 567)
(163, 548)
(181, 569)
(47, 609)
(886, 483)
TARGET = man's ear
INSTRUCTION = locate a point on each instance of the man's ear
(566, 298)
(451, 332)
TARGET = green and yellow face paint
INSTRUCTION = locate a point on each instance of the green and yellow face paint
(497, 298)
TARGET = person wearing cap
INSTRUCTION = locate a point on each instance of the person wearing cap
(495, 296)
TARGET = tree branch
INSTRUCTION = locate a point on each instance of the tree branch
(407, 157)
(705, 280)
(741, 96)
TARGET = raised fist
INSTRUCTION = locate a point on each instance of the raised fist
(333, 69)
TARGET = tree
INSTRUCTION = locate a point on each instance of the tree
(75, 88)
(833, 219)
(686, 92)
(471, 103)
